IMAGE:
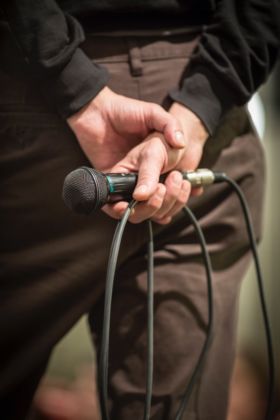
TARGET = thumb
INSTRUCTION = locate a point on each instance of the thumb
(151, 163)
(158, 119)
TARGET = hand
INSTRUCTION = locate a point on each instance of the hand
(153, 157)
(111, 125)
(177, 193)
(194, 132)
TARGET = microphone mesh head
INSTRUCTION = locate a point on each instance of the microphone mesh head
(84, 190)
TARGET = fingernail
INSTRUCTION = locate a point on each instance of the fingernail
(180, 138)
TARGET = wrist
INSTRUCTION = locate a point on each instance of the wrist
(92, 107)
(192, 125)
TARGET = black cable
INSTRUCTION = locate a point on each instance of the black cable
(150, 326)
(103, 373)
(207, 342)
(104, 348)
(249, 225)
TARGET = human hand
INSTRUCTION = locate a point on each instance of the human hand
(111, 125)
(195, 134)
(153, 157)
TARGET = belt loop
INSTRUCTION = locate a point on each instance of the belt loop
(135, 59)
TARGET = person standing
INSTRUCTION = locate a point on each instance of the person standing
(150, 87)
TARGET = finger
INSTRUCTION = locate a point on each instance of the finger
(151, 161)
(147, 209)
(196, 192)
(181, 201)
(163, 221)
(173, 185)
(116, 210)
(160, 120)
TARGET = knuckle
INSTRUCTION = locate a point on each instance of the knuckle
(147, 154)
(156, 109)
(173, 194)
(150, 152)
(182, 199)
(154, 204)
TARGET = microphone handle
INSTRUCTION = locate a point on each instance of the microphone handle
(122, 185)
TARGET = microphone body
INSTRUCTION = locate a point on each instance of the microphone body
(120, 186)
(86, 189)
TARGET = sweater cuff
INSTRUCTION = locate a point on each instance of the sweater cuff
(203, 94)
(76, 85)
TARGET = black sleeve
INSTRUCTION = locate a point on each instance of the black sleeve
(49, 41)
(235, 54)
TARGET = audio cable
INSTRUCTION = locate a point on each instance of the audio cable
(150, 323)
(85, 190)
(208, 267)
(104, 350)
(222, 177)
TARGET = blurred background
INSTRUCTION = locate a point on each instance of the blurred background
(249, 379)
(248, 391)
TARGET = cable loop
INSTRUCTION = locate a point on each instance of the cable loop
(260, 282)
(114, 252)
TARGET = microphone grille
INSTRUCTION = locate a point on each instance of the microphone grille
(84, 190)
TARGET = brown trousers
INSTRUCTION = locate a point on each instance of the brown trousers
(53, 263)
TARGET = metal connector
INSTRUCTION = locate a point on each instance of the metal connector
(199, 177)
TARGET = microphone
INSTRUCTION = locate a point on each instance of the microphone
(86, 190)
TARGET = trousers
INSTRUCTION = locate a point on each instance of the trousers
(53, 262)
